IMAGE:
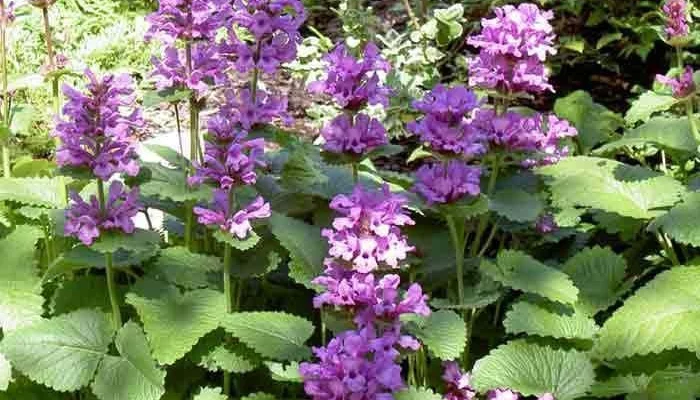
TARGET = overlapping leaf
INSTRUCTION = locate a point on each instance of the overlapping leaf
(306, 247)
(599, 275)
(534, 319)
(680, 223)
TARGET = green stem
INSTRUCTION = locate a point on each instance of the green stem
(6, 171)
(48, 37)
(109, 267)
(484, 220)
(690, 110)
(355, 173)
(228, 287)
(178, 124)
(667, 245)
(5, 93)
(457, 236)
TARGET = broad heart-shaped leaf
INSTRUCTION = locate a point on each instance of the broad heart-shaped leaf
(141, 241)
(132, 375)
(169, 183)
(443, 332)
(534, 319)
(191, 315)
(239, 244)
(181, 267)
(599, 275)
(610, 186)
(42, 192)
(664, 314)
(306, 247)
(63, 352)
(522, 272)
(534, 370)
(21, 303)
(647, 104)
(413, 393)
(668, 133)
(595, 123)
(517, 205)
(5, 373)
(680, 222)
(210, 394)
(274, 335)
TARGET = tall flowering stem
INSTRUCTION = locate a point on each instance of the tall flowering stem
(6, 17)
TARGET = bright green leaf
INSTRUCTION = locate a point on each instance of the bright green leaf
(306, 247)
(599, 275)
(210, 394)
(648, 104)
(239, 244)
(444, 333)
(534, 319)
(179, 266)
(141, 241)
(595, 123)
(5, 373)
(680, 223)
(413, 393)
(42, 192)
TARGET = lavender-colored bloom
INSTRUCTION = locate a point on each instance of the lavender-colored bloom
(353, 82)
(502, 394)
(368, 234)
(457, 382)
(99, 130)
(446, 126)
(86, 221)
(676, 12)
(546, 224)
(188, 19)
(547, 396)
(682, 86)
(496, 71)
(241, 109)
(358, 136)
(207, 69)
(447, 182)
(8, 15)
(238, 223)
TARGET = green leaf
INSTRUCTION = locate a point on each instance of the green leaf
(223, 358)
(21, 303)
(599, 275)
(259, 396)
(611, 186)
(522, 272)
(192, 315)
(413, 393)
(306, 247)
(5, 373)
(680, 222)
(169, 183)
(534, 370)
(648, 104)
(81, 257)
(179, 266)
(466, 209)
(274, 335)
(517, 205)
(171, 156)
(133, 375)
(239, 244)
(670, 384)
(284, 373)
(42, 192)
(607, 39)
(81, 292)
(595, 123)
(534, 319)
(141, 241)
(210, 394)
(23, 117)
(301, 172)
(152, 98)
(62, 353)
(664, 314)
(668, 133)
(262, 260)
(444, 333)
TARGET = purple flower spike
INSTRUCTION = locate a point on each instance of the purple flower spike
(676, 12)
(240, 108)
(354, 83)
(237, 224)
(343, 135)
(495, 71)
(447, 182)
(682, 86)
(98, 132)
(207, 69)
(458, 383)
(188, 19)
(502, 394)
(86, 221)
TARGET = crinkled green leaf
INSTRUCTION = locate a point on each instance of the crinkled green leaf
(595, 123)
(239, 244)
(62, 353)
(81, 257)
(664, 314)
(599, 274)
(169, 183)
(284, 373)
(5, 373)
(670, 384)
(141, 241)
(611, 186)
(274, 335)
(154, 97)
(444, 333)
(181, 267)
(262, 260)
(227, 358)
(174, 322)
(648, 104)
(517, 205)
(522, 272)
(42, 192)
(680, 222)
(132, 375)
(534, 370)
(414, 393)
(21, 303)
(668, 133)
(210, 394)
(533, 319)
(306, 247)
(82, 292)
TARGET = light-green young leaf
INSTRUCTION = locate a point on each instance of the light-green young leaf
(222, 358)
(669, 133)
(444, 333)
(41, 192)
(599, 275)
(595, 123)
(132, 375)
(414, 393)
(534, 370)
(5, 373)
(534, 319)
(62, 353)
(210, 394)
(259, 396)
(648, 104)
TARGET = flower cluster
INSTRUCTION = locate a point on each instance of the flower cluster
(676, 12)
(513, 47)
(87, 221)
(98, 132)
(681, 86)
(172, 71)
(238, 223)
(457, 383)
(188, 19)
(353, 134)
(446, 126)
(241, 108)
(447, 182)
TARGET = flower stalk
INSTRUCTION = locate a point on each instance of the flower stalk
(5, 19)
(109, 266)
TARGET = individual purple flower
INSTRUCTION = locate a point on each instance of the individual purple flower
(87, 221)
(546, 224)
(550, 133)
(238, 223)
(681, 86)
(368, 233)
(354, 83)
(98, 132)
(188, 19)
(499, 72)
(457, 382)
(353, 135)
(447, 182)
(446, 126)
(240, 108)
(172, 71)
(676, 13)
(502, 394)
(8, 15)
